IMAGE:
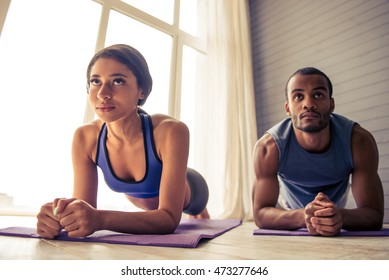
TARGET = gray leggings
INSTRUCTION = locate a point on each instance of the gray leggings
(199, 192)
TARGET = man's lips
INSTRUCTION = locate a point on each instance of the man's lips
(310, 115)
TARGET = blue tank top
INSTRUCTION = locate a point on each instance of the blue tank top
(303, 174)
(147, 187)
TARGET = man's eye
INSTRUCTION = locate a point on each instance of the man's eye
(298, 97)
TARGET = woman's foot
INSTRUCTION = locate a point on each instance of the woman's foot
(203, 215)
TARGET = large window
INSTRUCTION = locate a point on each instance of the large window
(155, 46)
(45, 46)
(43, 58)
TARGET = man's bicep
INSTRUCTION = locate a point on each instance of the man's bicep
(366, 183)
(266, 188)
(266, 192)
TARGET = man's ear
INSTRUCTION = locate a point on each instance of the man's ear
(332, 104)
(287, 110)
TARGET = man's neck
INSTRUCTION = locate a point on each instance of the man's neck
(314, 142)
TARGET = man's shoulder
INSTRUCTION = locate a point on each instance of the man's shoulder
(361, 136)
(272, 139)
(342, 126)
(281, 130)
(265, 141)
(282, 123)
(338, 116)
(340, 119)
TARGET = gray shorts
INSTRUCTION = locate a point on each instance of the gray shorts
(199, 192)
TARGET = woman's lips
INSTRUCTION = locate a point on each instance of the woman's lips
(105, 108)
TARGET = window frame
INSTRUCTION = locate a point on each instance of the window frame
(180, 38)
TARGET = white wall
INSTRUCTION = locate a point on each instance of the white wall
(347, 39)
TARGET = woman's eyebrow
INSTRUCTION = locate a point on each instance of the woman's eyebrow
(118, 75)
(111, 75)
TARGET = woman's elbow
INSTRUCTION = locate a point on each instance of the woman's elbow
(170, 224)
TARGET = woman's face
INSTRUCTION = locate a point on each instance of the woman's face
(113, 90)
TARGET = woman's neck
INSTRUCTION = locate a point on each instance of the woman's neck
(126, 129)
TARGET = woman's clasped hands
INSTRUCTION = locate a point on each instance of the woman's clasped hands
(75, 216)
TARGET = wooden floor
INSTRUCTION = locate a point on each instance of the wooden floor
(237, 244)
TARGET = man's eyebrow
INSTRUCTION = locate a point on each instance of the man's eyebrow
(297, 90)
(316, 88)
(320, 88)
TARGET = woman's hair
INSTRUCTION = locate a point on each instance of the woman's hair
(309, 71)
(134, 61)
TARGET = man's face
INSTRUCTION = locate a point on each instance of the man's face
(309, 103)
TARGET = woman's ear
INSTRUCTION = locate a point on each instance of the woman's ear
(141, 94)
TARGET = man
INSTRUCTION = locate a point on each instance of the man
(306, 163)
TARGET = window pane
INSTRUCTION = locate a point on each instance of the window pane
(42, 77)
(162, 9)
(193, 17)
(195, 106)
(191, 99)
(155, 47)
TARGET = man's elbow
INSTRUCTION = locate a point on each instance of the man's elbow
(378, 223)
(377, 219)
(260, 220)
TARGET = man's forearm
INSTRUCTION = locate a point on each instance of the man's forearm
(275, 218)
(363, 218)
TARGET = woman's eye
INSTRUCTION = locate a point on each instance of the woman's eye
(94, 82)
(118, 82)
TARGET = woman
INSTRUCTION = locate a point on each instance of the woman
(144, 157)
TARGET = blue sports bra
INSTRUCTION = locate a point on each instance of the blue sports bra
(147, 187)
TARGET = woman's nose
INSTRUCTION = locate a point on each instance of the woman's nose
(104, 92)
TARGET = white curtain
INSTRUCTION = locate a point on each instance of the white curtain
(229, 110)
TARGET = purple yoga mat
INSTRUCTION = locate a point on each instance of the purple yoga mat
(304, 232)
(187, 235)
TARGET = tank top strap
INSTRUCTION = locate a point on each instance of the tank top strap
(151, 153)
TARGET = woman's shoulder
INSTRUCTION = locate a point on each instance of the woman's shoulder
(90, 128)
(85, 139)
(88, 132)
(165, 126)
(161, 121)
